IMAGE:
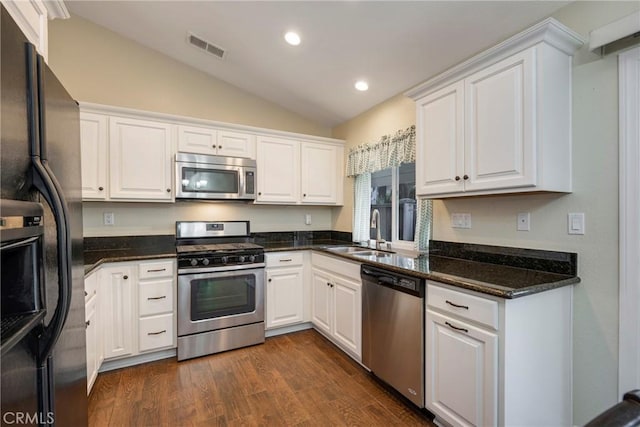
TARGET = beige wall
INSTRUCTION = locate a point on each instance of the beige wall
(595, 166)
(98, 65)
(132, 219)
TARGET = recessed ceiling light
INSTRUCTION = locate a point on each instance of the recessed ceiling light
(361, 85)
(292, 38)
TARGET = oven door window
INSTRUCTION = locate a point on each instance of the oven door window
(222, 296)
(197, 180)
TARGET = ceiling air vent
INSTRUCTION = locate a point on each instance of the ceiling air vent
(205, 45)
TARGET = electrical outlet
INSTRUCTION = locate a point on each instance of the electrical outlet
(461, 220)
(307, 219)
(109, 218)
(524, 221)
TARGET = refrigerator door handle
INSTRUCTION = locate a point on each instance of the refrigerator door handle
(46, 183)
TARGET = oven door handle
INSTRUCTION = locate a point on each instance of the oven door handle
(189, 271)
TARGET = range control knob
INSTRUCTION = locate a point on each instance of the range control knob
(193, 262)
(252, 258)
(241, 258)
(224, 259)
(205, 261)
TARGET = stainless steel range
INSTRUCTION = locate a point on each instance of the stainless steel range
(220, 287)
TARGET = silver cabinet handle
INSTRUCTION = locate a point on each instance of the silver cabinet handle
(157, 333)
(157, 270)
(286, 260)
(153, 298)
(456, 328)
(466, 307)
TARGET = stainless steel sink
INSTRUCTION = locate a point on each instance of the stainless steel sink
(349, 249)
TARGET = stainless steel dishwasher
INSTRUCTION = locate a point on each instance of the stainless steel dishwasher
(393, 330)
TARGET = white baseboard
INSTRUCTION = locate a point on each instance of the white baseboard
(110, 365)
(287, 329)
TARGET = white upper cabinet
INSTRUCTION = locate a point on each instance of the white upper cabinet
(199, 140)
(94, 148)
(236, 144)
(501, 121)
(141, 159)
(129, 155)
(299, 172)
(319, 169)
(205, 140)
(278, 166)
(500, 114)
(440, 117)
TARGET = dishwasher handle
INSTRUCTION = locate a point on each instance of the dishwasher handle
(400, 282)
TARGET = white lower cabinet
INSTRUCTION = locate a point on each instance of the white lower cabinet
(94, 329)
(462, 388)
(498, 362)
(336, 309)
(285, 289)
(117, 284)
(130, 311)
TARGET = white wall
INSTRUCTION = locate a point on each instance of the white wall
(595, 192)
(133, 219)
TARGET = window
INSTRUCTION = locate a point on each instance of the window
(393, 196)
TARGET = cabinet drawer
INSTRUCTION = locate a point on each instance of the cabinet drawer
(350, 269)
(156, 297)
(149, 270)
(156, 332)
(283, 259)
(463, 305)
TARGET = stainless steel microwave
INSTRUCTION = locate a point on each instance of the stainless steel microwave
(204, 177)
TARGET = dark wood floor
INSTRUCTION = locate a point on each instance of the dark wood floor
(295, 379)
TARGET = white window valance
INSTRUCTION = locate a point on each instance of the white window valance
(389, 151)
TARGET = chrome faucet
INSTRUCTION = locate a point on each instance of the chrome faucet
(375, 223)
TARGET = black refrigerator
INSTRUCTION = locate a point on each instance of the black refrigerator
(40, 162)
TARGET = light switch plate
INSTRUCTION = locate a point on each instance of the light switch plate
(575, 223)
(307, 219)
(524, 221)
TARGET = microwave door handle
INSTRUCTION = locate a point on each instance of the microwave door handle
(46, 183)
(241, 183)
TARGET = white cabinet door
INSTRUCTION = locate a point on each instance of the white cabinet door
(440, 142)
(93, 144)
(347, 314)
(319, 173)
(284, 296)
(92, 342)
(117, 285)
(199, 140)
(500, 114)
(321, 303)
(140, 157)
(278, 162)
(461, 371)
(236, 144)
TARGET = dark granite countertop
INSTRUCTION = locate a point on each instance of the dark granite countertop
(492, 270)
(100, 250)
(301, 245)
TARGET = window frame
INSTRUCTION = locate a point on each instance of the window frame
(407, 245)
